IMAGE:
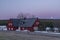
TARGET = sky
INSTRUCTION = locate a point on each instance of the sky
(44, 9)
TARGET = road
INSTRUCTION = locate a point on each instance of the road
(12, 35)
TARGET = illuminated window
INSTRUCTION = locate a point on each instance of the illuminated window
(11, 28)
(35, 28)
(10, 24)
(37, 23)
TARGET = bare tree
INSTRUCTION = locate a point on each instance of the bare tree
(26, 15)
(33, 16)
(21, 15)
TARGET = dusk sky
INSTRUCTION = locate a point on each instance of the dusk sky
(40, 8)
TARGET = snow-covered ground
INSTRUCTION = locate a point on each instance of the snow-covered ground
(46, 32)
(3, 27)
(12, 35)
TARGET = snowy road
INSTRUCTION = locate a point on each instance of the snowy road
(13, 35)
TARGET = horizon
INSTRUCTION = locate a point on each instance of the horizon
(43, 9)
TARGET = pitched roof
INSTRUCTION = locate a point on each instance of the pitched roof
(15, 22)
(23, 22)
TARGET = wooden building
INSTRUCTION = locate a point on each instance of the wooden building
(30, 24)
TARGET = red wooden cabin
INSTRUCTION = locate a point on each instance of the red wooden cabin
(30, 24)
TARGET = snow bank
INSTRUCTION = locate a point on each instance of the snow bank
(3, 28)
(46, 32)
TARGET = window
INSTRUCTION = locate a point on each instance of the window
(10, 24)
(35, 28)
(23, 28)
(11, 28)
(37, 23)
